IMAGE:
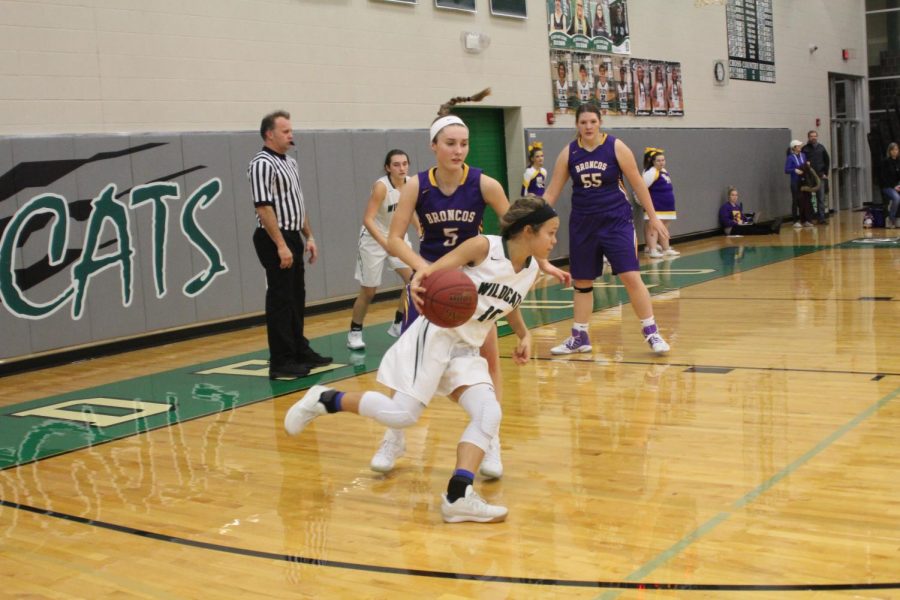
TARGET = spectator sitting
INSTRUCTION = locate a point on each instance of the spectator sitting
(890, 183)
(735, 221)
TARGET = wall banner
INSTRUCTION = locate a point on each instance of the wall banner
(589, 25)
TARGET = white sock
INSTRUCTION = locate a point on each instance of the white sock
(648, 321)
(580, 326)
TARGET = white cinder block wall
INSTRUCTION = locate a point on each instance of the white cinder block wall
(78, 66)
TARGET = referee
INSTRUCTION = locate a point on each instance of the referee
(281, 217)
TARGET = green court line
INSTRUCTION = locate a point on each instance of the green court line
(750, 496)
(200, 390)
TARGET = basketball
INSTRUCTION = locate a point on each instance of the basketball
(450, 298)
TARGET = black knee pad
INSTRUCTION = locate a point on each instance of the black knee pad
(584, 290)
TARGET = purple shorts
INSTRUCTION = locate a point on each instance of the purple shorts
(591, 237)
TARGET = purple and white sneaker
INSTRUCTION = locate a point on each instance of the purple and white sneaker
(651, 334)
(575, 343)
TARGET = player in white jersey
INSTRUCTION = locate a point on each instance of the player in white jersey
(429, 360)
(660, 89)
(622, 96)
(641, 83)
(583, 85)
(622, 91)
(675, 92)
(660, 95)
(372, 252)
(603, 95)
(561, 87)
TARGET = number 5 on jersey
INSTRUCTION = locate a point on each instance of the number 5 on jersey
(451, 235)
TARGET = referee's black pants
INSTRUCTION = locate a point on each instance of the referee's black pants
(285, 297)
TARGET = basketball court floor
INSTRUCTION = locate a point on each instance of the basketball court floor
(759, 459)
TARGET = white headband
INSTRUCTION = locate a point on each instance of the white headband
(443, 122)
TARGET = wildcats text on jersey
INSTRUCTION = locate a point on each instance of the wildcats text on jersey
(440, 216)
(500, 291)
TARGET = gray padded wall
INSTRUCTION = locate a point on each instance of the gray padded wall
(163, 163)
(57, 329)
(245, 267)
(337, 169)
(219, 220)
(14, 332)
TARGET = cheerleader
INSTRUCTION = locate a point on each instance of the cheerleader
(535, 175)
(659, 183)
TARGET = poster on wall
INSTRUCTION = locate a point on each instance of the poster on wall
(618, 27)
(589, 25)
(658, 104)
(623, 102)
(605, 90)
(583, 64)
(657, 88)
(674, 96)
(751, 40)
(602, 79)
(561, 69)
(640, 77)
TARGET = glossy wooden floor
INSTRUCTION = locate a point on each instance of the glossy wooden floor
(759, 459)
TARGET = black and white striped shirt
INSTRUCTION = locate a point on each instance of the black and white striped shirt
(275, 181)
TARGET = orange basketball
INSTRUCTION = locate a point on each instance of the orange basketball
(450, 298)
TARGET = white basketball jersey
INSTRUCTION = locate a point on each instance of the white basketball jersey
(603, 90)
(584, 91)
(622, 95)
(562, 94)
(386, 210)
(660, 95)
(500, 290)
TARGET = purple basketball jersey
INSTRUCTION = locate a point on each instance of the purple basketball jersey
(597, 186)
(450, 220)
(601, 223)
